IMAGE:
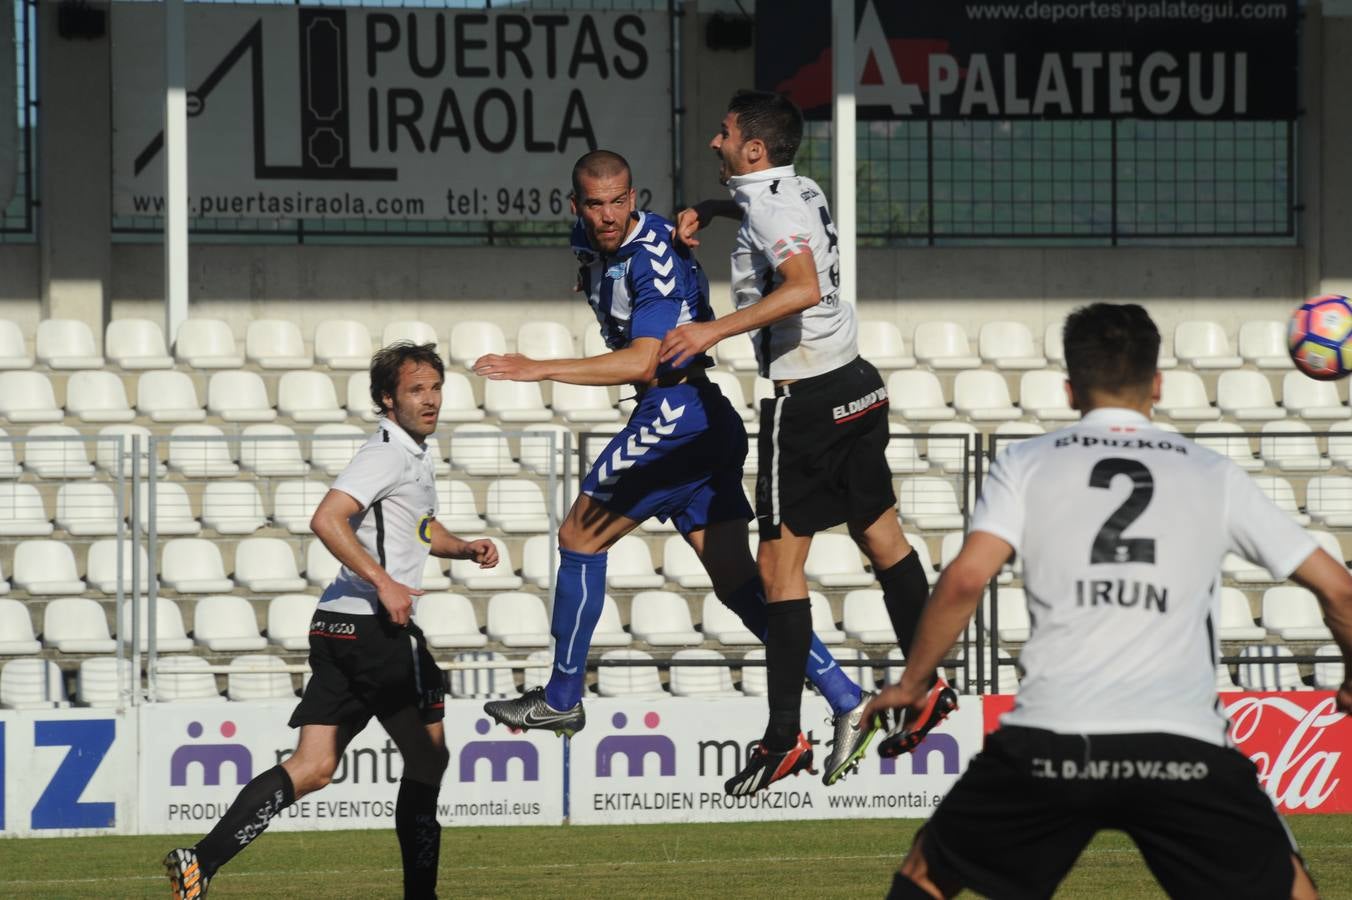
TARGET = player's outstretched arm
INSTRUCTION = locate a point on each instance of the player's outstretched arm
(634, 364)
(447, 546)
(1332, 584)
(330, 523)
(691, 219)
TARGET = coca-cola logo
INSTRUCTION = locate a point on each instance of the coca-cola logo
(1297, 745)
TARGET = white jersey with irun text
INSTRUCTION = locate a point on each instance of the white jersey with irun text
(392, 477)
(784, 215)
(1122, 528)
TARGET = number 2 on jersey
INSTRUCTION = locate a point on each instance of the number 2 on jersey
(831, 241)
(1109, 545)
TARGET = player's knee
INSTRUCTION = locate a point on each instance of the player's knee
(310, 775)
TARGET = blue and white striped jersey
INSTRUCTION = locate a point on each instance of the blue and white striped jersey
(645, 288)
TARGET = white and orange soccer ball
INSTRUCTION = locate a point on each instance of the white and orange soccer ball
(1319, 337)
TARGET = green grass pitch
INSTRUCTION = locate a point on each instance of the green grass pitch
(850, 858)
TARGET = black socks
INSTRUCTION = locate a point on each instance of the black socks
(905, 591)
(415, 822)
(247, 818)
(787, 639)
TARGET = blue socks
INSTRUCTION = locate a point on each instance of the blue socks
(579, 593)
(748, 601)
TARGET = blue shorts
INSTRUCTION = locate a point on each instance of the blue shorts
(679, 457)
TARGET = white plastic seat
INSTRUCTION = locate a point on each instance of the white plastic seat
(903, 453)
(542, 449)
(63, 455)
(1329, 676)
(457, 399)
(258, 677)
(823, 619)
(499, 578)
(123, 438)
(97, 396)
(278, 454)
(1014, 624)
(723, 625)
(544, 340)
(206, 458)
(537, 562)
(983, 396)
(76, 625)
(662, 619)
(456, 507)
(194, 566)
(102, 562)
(1229, 440)
(276, 344)
(239, 397)
(10, 467)
(516, 506)
(515, 401)
(584, 403)
(207, 344)
(640, 682)
(922, 551)
(16, 630)
(471, 340)
(332, 446)
(180, 679)
(100, 680)
(32, 684)
(1310, 399)
(86, 509)
(1008, 346)
(1203, 345)
(950, 446)
(929, 503)
(1246, 395)
(1262, 342)
(289, 620)
(916, 396)
(294, 502)
(1183, 397)
(609, 631)
(22, 512)
(1042, 394)
(1328, 500)
(731, 388)
(172, 509)
(448, 620)
(1292, 613)
(681, 565)
(168, 397)
(226, 624)
(414, 331)
(170, 636)
(1280, 492)
(481, 684)
(594, 343)
(1236, 619)
(434, 578)
(343, 344)
(13, 347)
(136, 344)
(359, 405)
(308, 397)
(738, 354)
(755, 679)
(702, 681)
(864, 617)
(881, 343)
(629, 565)
(46, 568)
(1256, 676)
(833, 560)
(28, 397)
(1053, 344)
(517, 619)
(481, 450)
(944, 345)
(267, 565)
(67, 344)
(232, 507)
(1291, 447)
(321, 566)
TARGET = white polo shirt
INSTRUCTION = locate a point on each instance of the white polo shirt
(1122, 528)
(391, 476)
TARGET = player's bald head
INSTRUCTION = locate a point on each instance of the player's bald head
(600, 164)
(1111, 348)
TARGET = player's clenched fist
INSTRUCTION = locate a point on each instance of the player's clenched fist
(483, 551)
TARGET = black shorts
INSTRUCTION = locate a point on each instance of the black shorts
(364, 666)
(1015, 822)
(823, 445)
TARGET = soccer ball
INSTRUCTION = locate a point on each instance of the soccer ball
(1319, 337)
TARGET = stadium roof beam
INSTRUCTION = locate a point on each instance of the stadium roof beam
(175, 170)
(843, 79)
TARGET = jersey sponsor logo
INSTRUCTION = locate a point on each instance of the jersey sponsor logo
(1119, 769)
(425, 530)
(856, 408)
(331, 629)
(1120, 592)
(1086, 440)
(618, 271)
(809, 194)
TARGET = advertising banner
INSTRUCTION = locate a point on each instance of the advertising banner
(642, 761)
(1011, 59)
(196, 756)
(356, 113)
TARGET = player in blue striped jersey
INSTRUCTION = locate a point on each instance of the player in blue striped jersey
(679, 457)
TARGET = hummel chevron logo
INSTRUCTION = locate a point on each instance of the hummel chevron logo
(665, 287)
(608, 472)
(663, 269)
(658, 250)
(649, 237)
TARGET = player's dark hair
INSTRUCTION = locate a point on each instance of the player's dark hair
(771, 118)
(387, 362)
(599, 164)
(1111, 347)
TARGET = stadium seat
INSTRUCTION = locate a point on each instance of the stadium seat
(1328, 676)
(1309, 399)
(481, 450)
(1263, 343)
(917, 396)
(498, 578)
(113, 438)
(865, 618)
(208, 457)
(983, 396)
(517, 619)
(736, 354)
(1328, 500)
(171, 509)
(856, 666)
(471, 340)
(456, 508)
(259, 677)
(135, 344)
(1236, 620)
(266, 565)
(929, 503)
(97, 396)
(45, 568)
(332, 446)
(294, 502)
(731, 388)
(701, 681)
(662, 619)
(32, 684)
(232, 507)
(308, 397)
(194, 566)
(1257, 676)
(1292, 613)
(944, 345)
(515, 401)
(27, 397)
(434, 578)
(440, 467)
(537, 676)
(1008, 346)
(637, 682)
(537, 565)
(1203, 345)
(343, 344)
(239, 397)
(723, 625)
(76, 625)
(681, 565)
(755, 679)
(276, 344)
(1279, 490)
(13, 348)
(448, 620)
(180, 679)
(321, 567)
(278, 454)
(1013, 622)
(1246, 395)
(824, 620)
(950, 446)
(100, 680)
(16, 630)
(22, 513)
(903, 453)
(207, 344)
(834, 561)
(921, 547)
(609, 631)
(226, 624)
(516, 506)
(170, 637)
(10, 467)
(761, 389)
(1042, 394)
(544, 340)
(593, 441)
(1053, 346)
(289, 620)
(67, 344)
(359, 405)
(457, 399)
(1229, 440)
(880, 342)
(1005, 681)
(102, 562)
(481, 684)
(1183, 397)
(56, 451)
(1011, 432)
(1291, 447)
(584, 403)
(537, 442)
(412, 330)
(4, 583)
(630, 566)
(594, 343)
